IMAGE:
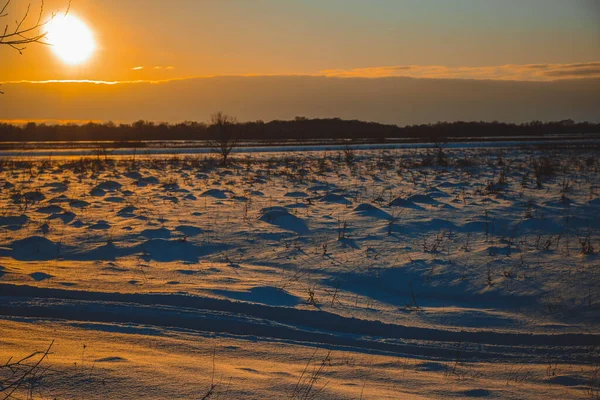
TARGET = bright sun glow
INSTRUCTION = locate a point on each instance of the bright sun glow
(71, 39)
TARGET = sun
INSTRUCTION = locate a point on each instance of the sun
(71, 39)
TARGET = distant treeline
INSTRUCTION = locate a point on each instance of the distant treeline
(299, 128)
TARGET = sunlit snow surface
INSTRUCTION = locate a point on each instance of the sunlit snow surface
(299, 275)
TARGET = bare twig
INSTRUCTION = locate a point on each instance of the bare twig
(22, 35)
(21, 370)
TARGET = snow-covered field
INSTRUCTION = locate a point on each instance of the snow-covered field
(373, 274)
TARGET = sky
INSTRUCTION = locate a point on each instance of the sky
(165, 42)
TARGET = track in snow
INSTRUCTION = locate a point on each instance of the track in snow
(164, 312)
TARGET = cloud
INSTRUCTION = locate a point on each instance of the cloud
(397, 100)
(513, 72)
(100, 82)
(587, 72)
(583, 65)
(156, 67)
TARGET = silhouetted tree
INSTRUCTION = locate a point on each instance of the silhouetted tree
(310, 129)
(222, 131)
(440, 143)
(24, 34)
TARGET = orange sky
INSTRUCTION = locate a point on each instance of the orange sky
(151, 39)
(158, 41)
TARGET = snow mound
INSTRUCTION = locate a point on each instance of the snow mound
(400, 202)
(335, 198)
(147, 180)
(34, 248)
(59, 199)
(160, 233)
(40, 276)
(216, 193)
(188, 230)
(421, 198)
(126, 211)
(79, 203)
(65, 217)
(133, 175)
(34, 196)
(435, 193)
(14, 220)
(31, 197)
(111, 359)
(268, 295)
(54, 209)
(164, 250)
(296, 194)
(319, 188)
(109, 186)
(369, 210)
(475, 393)
(281, 217)
(595, 202)
(57, 187)
(97, 192)
(100, 225)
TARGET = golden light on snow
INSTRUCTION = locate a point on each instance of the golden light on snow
(71, 39)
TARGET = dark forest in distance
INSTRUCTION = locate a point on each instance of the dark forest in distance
(298, 129)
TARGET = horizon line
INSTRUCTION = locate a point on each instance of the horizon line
(81, 122)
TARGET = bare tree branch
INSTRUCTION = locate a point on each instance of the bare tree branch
(222, 130)
(22, 35)
(22, 370)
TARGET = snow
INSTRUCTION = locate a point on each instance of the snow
(296, 275)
